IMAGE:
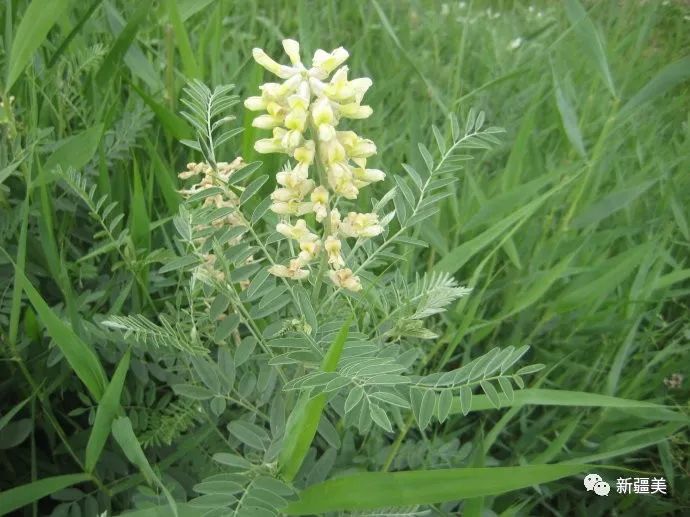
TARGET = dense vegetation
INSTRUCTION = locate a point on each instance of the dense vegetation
(125, 367)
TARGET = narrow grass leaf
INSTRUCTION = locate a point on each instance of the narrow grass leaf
(33, 28)
(24, 495)
(548, 397)
(107, 410)
(189, 64)
(372, 490)
(304, 420)
(79, 355)
(568, 118)
(668, 78)
(125, 437)
(591, 40)
(110, 65)
(460, 255)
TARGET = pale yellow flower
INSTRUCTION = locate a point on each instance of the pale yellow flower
(294, 271)
(308, 250)
(361, 225)
(333, 247)
(298, 231)
(319, 198)
(346, 279)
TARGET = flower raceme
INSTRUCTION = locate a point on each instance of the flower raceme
(303, 113)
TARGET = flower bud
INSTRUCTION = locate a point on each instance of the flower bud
(268, 145)
(266, 122)
(264, 60)
(355, 111)
(255, 103)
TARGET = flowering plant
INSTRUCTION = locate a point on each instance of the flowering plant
(344, 356)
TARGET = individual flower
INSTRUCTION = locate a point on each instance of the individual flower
(361, 225)
(332, 245)
(346, 279)
(319, 199)
(294, 271)
(308, 250)
(298, 231)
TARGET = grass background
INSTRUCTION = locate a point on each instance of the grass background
(573, 232)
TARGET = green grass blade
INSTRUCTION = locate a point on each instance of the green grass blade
(5, 419)
(109, 67)
(610, 204)
(304, 419)
(611, 274)
(73, 33)
(568, 117)
(125, 437)
(669, 77)
(106, 412)
(547, 397)
(625, 443)
(37, 20)
(15, 498)
(460, 255)
(189, 64)
(189, 8)
(174, 124)
(373, 490)
(590, 39)
(79, 355)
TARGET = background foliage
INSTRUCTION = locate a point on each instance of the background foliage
(572, 232)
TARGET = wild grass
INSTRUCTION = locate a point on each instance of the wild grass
(572, 233)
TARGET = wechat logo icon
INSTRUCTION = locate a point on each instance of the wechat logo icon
(593, 482)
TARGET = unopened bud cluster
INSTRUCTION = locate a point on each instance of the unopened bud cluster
(303, 113)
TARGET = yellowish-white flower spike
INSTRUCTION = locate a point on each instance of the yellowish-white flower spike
(304, 112)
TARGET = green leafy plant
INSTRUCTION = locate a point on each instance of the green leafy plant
(343, 303)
